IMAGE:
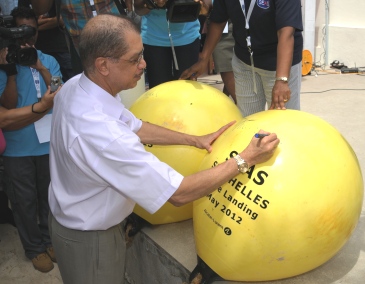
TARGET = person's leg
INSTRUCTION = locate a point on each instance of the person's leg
(159, 64)
(295, 83)
(22, 192)
(42, 180)
(266, 83)
(89, 257)
(186, 55)
(6, 214)
(247, 101)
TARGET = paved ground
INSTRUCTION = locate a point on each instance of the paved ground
(338, 99)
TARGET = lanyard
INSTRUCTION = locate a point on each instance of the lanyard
(248, 38)
(172, 46)
(93, 9)
(37, 83)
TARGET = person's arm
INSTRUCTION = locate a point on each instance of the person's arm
(204, 182)
(281, 92)
(14, 119)
(205, 7)
(143, 7)
(9, 96)
(213, 36)
(198, 185)
(45, 23)
(41, 7)
(43, 71)
(150, 133)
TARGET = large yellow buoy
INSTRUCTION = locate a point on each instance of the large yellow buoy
(288, 215)
(188, 107)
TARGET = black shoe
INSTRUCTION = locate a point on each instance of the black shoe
(203, 273)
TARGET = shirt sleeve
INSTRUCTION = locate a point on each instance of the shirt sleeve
(289, 14)
(128, 168)
(219, 12)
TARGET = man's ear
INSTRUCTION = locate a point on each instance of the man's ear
(102, 66)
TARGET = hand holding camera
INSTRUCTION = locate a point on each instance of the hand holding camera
(55, 83)
(10, 37)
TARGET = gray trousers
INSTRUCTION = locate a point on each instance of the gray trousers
(89, 257)
(248, 102)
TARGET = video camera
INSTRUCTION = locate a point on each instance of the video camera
(9, 35)
(180, 11)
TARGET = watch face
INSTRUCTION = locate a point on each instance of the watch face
(244, 167)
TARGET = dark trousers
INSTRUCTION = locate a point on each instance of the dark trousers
(27, 180)
(160, 62)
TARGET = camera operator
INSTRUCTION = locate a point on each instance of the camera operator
(26, 157)
(16, 118)
(169, 47)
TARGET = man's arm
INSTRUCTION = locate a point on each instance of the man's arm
(199, 184)
(143, 7)
(213, 36)
(285, 50)
(9, 96)
(151, 133)
(41, 7)
(43, 71)
(46, 23)
(204, 182)
(14, 119)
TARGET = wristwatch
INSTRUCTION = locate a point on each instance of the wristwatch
(284, 79)
(241, 164)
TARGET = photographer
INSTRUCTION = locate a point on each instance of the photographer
(169, 47)
(26, 157)
(15, 119)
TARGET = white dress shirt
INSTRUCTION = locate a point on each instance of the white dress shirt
(99, 168)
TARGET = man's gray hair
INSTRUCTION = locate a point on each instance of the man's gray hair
(104, 36)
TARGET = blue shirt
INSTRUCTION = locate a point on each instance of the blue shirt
(154, 30)
(24, 142)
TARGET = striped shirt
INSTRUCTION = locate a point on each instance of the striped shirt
(75, 14)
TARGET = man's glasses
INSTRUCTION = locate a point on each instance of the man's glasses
(135, 61)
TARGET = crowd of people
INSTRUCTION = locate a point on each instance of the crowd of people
(74, 160)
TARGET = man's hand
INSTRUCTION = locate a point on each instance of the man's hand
(195, 71)
(160, 3)
(280, 95)
(260, 149)
(206, 141)
(46, 102)
(3, 53)
(205, 7)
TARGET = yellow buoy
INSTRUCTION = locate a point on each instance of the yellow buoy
(188, 107)
(288, 215)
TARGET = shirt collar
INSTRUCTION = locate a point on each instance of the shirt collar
(106, 100)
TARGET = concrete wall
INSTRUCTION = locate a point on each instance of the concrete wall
(340, 36)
